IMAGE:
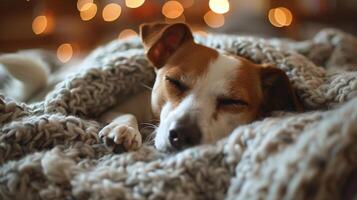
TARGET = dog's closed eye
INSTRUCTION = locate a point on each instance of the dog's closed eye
(177, 84)
(224, 102)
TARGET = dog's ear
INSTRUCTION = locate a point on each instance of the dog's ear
(162, 40)
(277, 91)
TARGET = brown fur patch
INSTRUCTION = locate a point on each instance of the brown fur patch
(162, 40)
(192, 59)
(187, 64)
(245, 87)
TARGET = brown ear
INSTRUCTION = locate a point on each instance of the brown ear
(277, 91)
(162, 40)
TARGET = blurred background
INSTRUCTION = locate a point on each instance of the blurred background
(74, 27)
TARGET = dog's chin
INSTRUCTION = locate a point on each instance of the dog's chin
(164, 148)
(162, 143)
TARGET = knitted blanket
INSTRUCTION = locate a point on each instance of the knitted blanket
(51, 149)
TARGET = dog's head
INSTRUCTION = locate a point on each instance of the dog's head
(201, 94)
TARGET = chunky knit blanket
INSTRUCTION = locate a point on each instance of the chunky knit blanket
(51, 149)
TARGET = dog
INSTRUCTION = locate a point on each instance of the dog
(200, 94)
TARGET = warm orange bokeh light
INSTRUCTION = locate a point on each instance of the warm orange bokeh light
(42, 24)
(111, 12)
(39, 24)
(214, 20)
(280, 17)
(134, 3)
(127, 33)
(65, 52)
(89, 13)
(219, 6)
(288, 16)
(271, 17)
(84, 4)
(172, 9)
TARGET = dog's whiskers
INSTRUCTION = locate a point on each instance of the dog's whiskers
(146, 86)
(150, 135)
(149, 125)
(150, 138)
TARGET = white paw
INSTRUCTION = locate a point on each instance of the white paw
(119, 134)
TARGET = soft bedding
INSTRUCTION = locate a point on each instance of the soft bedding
(51, 149)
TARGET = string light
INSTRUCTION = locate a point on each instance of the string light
(288, 16)
(39, 24)
(213, 20)
(83, 5)
(271, 17)
(134, 3)
(111, 12)
(65, 52)
(43, 24)
(89, 13)
(280, 17)
(219, 6)
(127, 33)
(172, 9)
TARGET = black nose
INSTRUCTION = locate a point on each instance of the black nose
(184, 134)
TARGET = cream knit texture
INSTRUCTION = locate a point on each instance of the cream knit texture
(51, 149)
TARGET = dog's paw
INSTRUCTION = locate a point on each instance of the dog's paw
(120, 134)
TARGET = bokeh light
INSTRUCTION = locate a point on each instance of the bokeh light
(39, 24)
(134, 3)
(43, 24)
(127, 33)
(213, 19)
(271, 17)
(172, 9)
(280, 17)
(288, 15)
(111, 12)
(89, 13)
(65, 52)
(219, 6)
(84, 4)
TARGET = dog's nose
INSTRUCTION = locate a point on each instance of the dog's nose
(184, 134)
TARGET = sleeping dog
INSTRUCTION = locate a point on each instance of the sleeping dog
(200, 94)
